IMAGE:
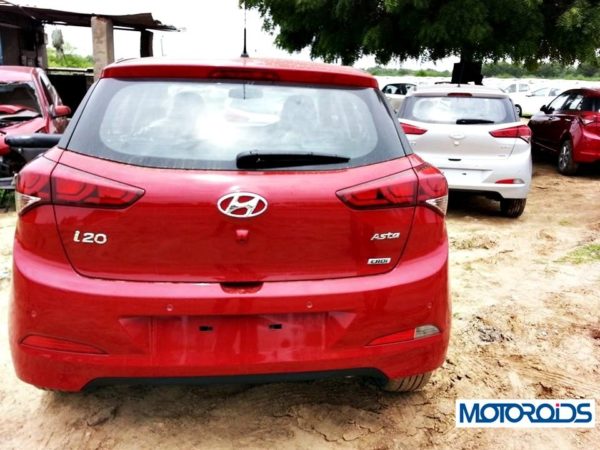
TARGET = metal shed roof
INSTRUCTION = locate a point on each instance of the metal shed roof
(142, 21)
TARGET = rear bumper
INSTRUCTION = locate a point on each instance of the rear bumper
(481, 176)
(183, 330)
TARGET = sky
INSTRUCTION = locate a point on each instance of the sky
(210, 29)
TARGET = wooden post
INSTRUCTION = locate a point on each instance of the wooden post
(103, 44)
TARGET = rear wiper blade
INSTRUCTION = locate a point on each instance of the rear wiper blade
(269, 160)
(472, 121)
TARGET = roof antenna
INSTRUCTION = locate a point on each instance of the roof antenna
(244, 52)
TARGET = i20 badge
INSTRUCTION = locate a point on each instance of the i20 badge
(242, 205)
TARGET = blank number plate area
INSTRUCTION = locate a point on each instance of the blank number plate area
(198, 340)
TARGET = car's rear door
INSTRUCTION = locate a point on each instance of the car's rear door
(200, 217)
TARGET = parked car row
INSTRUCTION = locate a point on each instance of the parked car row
(473, 135)
(259, 219)
(527, 104)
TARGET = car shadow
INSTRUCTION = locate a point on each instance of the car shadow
(548, 160)
(335, 408)
(461, 204)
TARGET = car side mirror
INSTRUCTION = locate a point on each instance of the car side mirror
(29, 146)
(544, 109)
(60, 111)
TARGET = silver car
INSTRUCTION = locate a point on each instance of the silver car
(473, 134)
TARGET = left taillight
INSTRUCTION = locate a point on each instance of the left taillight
(44, 181)
(78, 188)
(32, 185)
(519, 131)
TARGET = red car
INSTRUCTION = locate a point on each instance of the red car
(28, 104)
(570, 126)
(164, 240)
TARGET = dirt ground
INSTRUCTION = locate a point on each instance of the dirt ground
(526, 324)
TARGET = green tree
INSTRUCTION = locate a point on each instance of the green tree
(524, 31)
(69, 58)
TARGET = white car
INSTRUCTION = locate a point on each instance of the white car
(395, 93)
(527, 104)
(473, 134)
(517, 88)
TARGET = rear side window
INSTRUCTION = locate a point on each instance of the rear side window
(588, 104)
(573, 102)
(558, 103)
(452, 110)
(205, 125)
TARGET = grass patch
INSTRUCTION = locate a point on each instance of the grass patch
(565, 222)
(586, 254)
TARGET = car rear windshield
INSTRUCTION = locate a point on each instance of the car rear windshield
(458, 110)
(206, 125)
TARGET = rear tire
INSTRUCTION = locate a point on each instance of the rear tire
(566, 165)
(512, 207)
(406, 384)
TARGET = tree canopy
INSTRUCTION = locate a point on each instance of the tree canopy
(524, 31)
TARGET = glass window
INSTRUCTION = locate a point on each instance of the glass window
(195, 125)
(446, 109)
(540, 92)
(573, 102)
(588, 104)
(19, 94)
(558, 102)
(49, 90)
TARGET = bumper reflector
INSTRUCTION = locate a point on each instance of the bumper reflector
(407, 335)
(60, 345)
(510, 181)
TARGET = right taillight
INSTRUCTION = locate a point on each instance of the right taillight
(412, 129)
(425, 185)
(393, 191)
(520, 131)
(43, 181)
(433, 188)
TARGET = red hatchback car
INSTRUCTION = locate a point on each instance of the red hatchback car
(242, 220)
(570, 126)
(28, 104)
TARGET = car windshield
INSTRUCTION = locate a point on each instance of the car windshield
(18, 94)
(458, 110)
(185, 124)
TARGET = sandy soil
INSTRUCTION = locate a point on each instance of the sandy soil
(526, 324)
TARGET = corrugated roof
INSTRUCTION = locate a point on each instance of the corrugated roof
(142, 21)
